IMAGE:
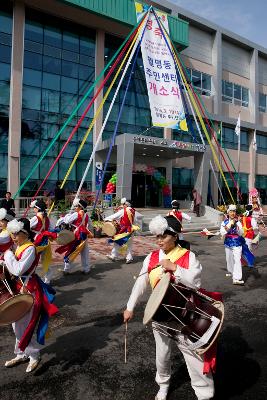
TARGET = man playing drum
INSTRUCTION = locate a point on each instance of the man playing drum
(125, 216)
(80, 221)
(22, 265)
(184, 268)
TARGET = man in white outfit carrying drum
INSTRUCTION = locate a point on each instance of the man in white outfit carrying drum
(186, 269)
(125, 216)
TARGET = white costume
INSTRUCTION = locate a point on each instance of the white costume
(202, 384)
(19, 268)
(86, 222)
(115, 252)
(233, 247)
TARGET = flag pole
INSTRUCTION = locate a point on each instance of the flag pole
(238, 133)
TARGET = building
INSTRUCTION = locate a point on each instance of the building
(50, 54)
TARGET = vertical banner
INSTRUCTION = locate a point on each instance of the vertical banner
(98, 174)
(162, 84)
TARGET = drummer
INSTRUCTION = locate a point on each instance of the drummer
(6, 241)
(40, 225)
(125, 217)
(185, 268)
(22, 265)
(175, 212)
(81, 224)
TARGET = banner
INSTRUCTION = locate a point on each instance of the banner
(162, 84)
(98, 174)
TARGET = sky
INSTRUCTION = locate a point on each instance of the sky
(247, 18)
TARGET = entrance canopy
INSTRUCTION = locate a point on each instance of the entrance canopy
(157, 152)
(148, 146)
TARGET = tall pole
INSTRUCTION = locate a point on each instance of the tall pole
(238, 133)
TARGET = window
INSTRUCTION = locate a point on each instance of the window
(182, 183)
(201, 81)
(261, 144)
(55, 79)
(262, 102)
(5, 61)
(230, 139)
(235, 94)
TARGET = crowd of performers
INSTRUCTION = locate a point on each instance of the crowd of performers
(24, 242)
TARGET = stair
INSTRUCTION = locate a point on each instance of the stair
(196, 224)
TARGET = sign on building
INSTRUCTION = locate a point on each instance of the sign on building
(161, 78)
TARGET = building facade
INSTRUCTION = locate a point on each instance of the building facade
(50, 54)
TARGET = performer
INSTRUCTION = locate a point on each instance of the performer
(125, 216)
(179, 215)
(22, 265)
(250, 226)
(235, 246)
(40, 225)
(254, 200)
(81, 223)
(6, 241)
(185, 268)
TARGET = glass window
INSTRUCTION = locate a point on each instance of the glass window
(54, 79)
(32, 77)
(3, 166)
(4, 93)
(52, 51)
(33, 46)
(45, 166)
(70, 69)
(261, 144)
(52, 65)
(236, 94)
(52, 36)
(50, 100)
(70, 41)
(87, 46)
(51, 81)
(32, 60)
(201, 81)
(63, 168)
(5, 23)
(69, 85)
(5, 53)
(262, 102)
(30, 147)
(70, 56)
(34, 31)
(26, 166)
(31, 98)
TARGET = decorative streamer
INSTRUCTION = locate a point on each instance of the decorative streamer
(76, 128)
(97, 112)
(119, 115)
(189, 89)
(128, 38)
(104, 125)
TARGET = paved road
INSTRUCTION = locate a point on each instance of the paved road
(84, 357)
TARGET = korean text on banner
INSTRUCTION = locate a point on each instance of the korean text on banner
(162, 84)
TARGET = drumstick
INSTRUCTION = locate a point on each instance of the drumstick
(138, 276)
(125, 342)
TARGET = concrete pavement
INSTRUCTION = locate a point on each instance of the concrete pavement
(84, 357)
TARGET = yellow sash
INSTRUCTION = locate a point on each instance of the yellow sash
(23, 247)
(77, 251)
(174, 255)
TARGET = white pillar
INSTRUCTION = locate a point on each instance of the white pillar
(14, 136)
(99, 66)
